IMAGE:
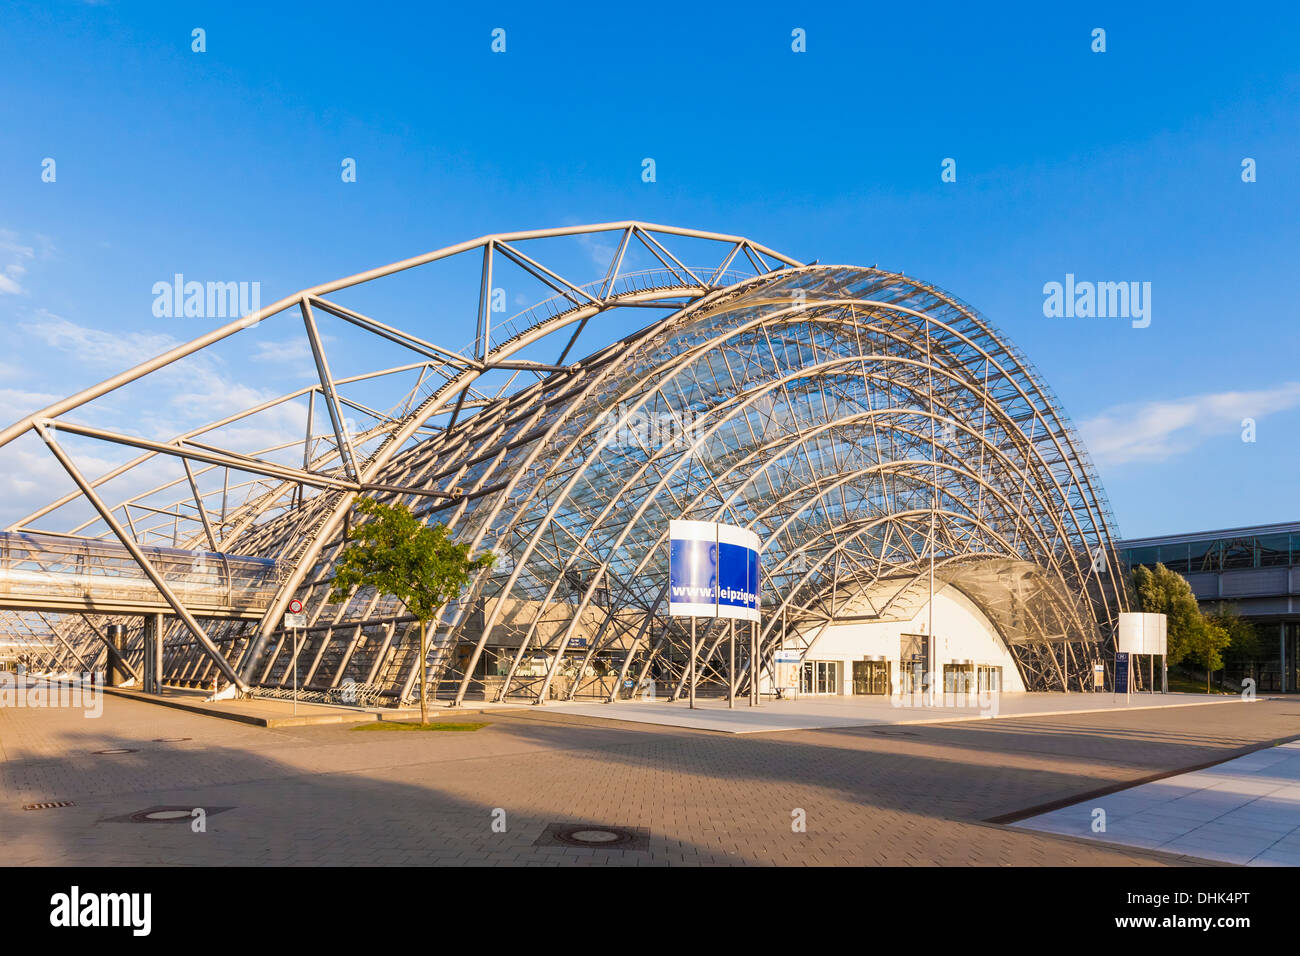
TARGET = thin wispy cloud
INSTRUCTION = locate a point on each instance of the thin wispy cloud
(14, 256)
(1160, 430)
(96, 347)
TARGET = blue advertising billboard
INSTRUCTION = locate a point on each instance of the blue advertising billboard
(693, 568)
(713, 571)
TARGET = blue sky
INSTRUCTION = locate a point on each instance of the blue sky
(1115, 166)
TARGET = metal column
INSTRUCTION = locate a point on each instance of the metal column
(117, 674)
(731, 667)
(154, 629)
(692, 681)
(753, 664)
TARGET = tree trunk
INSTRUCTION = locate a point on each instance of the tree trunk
(424, 672)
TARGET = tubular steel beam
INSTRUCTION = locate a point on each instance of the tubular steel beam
(168, 594)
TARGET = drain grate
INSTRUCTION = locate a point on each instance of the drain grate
(594, 836)
(49, 805)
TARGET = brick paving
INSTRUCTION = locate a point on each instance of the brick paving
(331, 795)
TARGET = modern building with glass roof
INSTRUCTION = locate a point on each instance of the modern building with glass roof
(923, 503)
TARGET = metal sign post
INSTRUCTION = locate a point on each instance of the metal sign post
(1141, 633)
(295, 620)
(731, 666)
(692, 695)
(1121, 674)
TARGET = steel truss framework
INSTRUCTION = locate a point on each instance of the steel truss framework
(866, 425)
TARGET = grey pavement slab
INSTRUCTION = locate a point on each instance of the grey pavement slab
(1243, 811)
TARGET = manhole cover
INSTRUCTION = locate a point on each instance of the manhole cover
(169, 814)
(112, 751)
(164, 816)
(168, 740)
(50, 805)
(896, 733)
(595, 836)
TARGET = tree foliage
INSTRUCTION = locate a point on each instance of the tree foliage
(1243, 640)
(1192, 636)
(396, 553)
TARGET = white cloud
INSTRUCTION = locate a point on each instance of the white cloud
(13, 254)
(286, 350)
(16, 403)
(117, 350)
(1156, 431)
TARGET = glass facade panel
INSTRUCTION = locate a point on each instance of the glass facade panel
(1274, 551)
(1175, 557)
(1204, 556)
(1146, 556)
(1239, 553)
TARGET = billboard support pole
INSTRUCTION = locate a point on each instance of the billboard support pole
(753, 664)
(731, 665)
(692, 680)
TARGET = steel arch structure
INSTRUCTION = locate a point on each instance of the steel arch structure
(864, 423)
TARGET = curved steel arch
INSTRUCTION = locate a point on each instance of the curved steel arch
(613, 495)
(673, 284)
(812, 387)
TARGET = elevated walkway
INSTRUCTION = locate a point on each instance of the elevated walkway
(67, 574)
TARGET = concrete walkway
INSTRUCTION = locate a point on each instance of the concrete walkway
(805, 713)
(277, 712)
(815, 713)
(1244, 811)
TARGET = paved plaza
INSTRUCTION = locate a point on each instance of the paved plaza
(1244, 811)
(821, 712)
(330, 794)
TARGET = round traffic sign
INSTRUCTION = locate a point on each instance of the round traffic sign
(295, 606)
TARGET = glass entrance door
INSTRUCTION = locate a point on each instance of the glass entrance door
(958, 678)
(871, 677)
(820, 677)
(911, 677)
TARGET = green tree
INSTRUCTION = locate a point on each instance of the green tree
(396, 553)
(1192, 636)
(1208, 644)
(1161, 591)
(1243, 639)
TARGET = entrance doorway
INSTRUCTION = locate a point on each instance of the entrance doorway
(820, 677)
(871, 677)
(911, 677)
(990, 679)
(958, 678)
(913, 663)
